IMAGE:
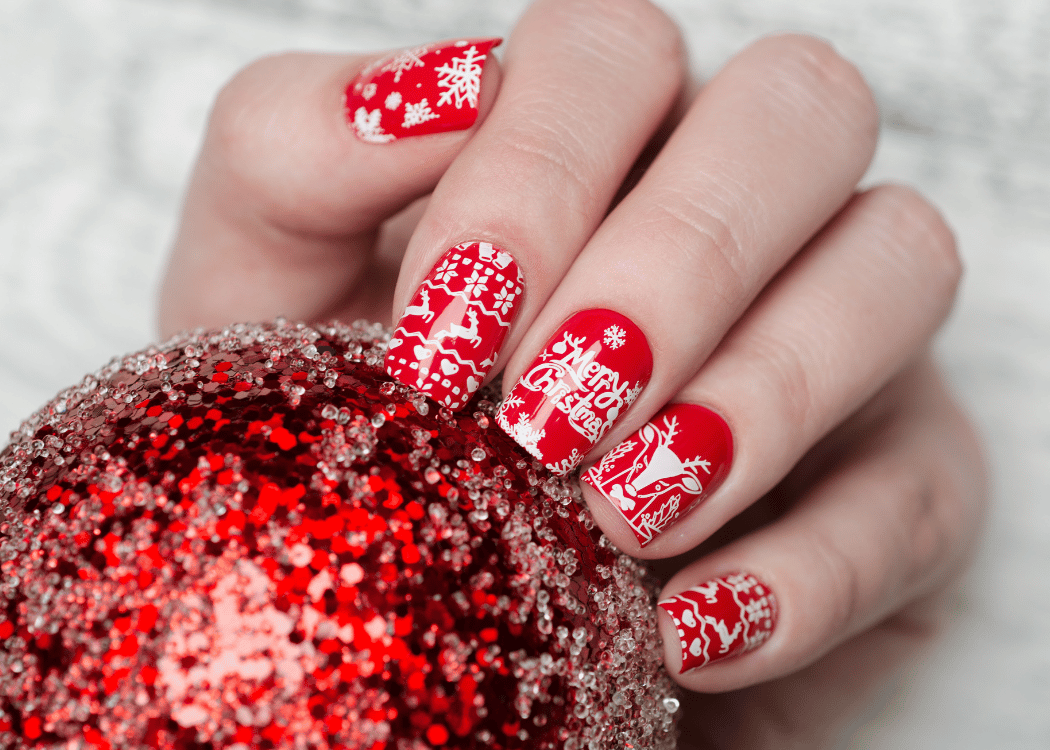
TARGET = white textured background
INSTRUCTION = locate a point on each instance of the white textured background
(102, 104)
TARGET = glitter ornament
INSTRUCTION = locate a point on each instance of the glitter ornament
(253, 538)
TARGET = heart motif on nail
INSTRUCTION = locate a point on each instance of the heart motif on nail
(394, 343)
(723, 617)
(448, 367)
(472, 384)
(421, 352)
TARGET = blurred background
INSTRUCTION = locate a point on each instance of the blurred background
(103, 103)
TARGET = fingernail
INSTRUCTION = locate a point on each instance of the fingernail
(659, 473)
(450, 335)
(429, 89)
(591, 370)
(724, 617)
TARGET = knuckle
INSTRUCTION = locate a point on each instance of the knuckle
(923, 236)
(635, 30)
(785, 365)
(532, 157)
(927, 539)
(236, 123)
(814, 75)
(700, 241)
(553, 182)
(650, 26)
(842, 582)
(941, 517)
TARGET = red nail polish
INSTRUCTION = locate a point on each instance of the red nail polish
(450, 335)
(591, 370)
(724, 617)
(678, 458)
(429, 89)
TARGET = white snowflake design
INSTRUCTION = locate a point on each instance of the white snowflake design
(446, 271)
(615, 337)
(475, 285)
(368, 91)
(393, 101)
(758, 610)
(368, 128)
(406, 60)
(417, 114)
(523, 433)
(462, 78)
(504, 299)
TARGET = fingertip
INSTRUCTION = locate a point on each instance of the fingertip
(672, 639)
(611, 521)
(711, 629)
(422, 91)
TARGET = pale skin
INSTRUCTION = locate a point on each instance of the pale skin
(770, 288)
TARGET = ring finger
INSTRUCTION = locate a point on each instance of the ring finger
(841, 320)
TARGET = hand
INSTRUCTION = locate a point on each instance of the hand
(743, 280)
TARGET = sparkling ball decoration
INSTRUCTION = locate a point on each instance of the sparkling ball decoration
(252, 538)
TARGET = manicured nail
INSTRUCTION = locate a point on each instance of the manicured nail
(672, 463)
(429, 89)
(591, 370)
(724, 617)
(450, 335)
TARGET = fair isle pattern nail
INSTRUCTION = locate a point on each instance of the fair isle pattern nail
(451, 333)
(675, 460)
(724, 617)
(589, 373)
(429, 89)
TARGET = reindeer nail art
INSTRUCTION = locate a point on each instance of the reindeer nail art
(726, 616)
(590, 373)
(672, 463)
(450, 335)
(429, 89)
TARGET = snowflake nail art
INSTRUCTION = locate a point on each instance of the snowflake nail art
(450, 335)
(589, 373)
(726, 616)
(674, 461)
(429, 89)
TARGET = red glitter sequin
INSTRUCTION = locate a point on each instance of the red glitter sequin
(320, 559)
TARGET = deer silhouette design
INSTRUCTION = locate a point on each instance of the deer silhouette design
(467, 333)
(664, 470)
(422, 310)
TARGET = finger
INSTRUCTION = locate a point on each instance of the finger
(819, 706)
(587, 83)
(894, 520)
(733, 195)
(836, 325)
(285, 200)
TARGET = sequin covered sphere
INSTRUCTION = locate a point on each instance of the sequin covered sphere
(253, 539)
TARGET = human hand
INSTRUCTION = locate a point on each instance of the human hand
(743, 268)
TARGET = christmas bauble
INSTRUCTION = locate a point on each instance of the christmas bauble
(252, 538)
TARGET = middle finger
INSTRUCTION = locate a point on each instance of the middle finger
(772, 147)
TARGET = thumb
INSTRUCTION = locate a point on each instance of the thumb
(305, 156)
